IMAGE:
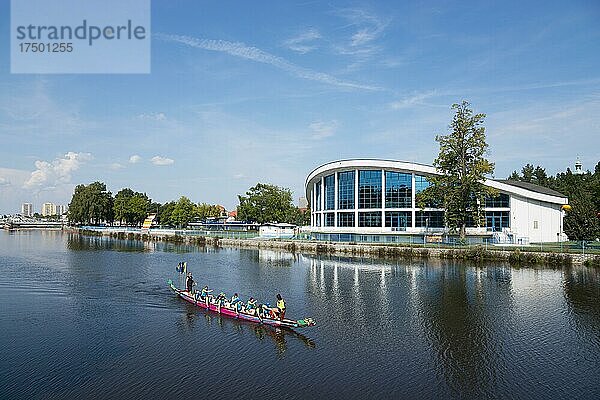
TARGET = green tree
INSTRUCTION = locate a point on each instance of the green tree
(183, 212)
(462, 164)
(91, 204)
(527, 173)
(204, 211)
(266, 203)
(165, 213)
(121, 204)
(130, 206)
(137, 209)
(582, 223)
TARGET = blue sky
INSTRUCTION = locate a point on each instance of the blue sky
(247, 92)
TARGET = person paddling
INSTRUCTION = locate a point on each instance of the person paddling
(251, 306)
(235, 302)
(280, 307)
(205, 294)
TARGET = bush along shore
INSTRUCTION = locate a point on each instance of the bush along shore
(475, 254)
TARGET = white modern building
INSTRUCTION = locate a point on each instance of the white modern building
(27, 209)
(370, 200)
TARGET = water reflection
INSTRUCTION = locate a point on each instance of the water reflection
(278, 336)
(458, 310)
(582, 293)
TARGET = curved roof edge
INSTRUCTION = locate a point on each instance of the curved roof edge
(547, 196)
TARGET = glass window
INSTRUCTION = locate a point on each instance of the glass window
(398, 219)
(329, 219)
(318, 196)
(500, 201)
(329, 192)
(398, 190)
(318, 220)
(345, 219)
(346, 190)
(369, 190)
(429, 219)
(421, 183)
(497, 220)
(369, 219)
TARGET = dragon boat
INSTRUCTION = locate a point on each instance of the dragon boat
(284, 323)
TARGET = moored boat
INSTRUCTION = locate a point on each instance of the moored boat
(285, 323)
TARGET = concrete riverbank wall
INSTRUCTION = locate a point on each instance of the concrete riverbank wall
(385, 251)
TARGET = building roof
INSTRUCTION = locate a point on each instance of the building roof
(524, 189)
(531, 186)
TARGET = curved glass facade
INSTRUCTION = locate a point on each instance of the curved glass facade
(387, 199)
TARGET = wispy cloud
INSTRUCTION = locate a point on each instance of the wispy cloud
(321, 129)
(56, 172)
(4, 182)
(158, 160)
(304, 42)
(415, 99)
(366, 29)
(116, 166)
(134, 159)
(153, 116)
(244, 51)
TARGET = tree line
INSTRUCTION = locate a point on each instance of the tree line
(93, 204)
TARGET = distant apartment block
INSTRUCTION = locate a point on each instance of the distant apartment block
(53, 209)
(27, 209)
(48, 209)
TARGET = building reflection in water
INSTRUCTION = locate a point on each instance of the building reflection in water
(457, 309)
(581, 286)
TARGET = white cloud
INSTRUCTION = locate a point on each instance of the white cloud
(322, 129)
(56, 172)
(242, 50)
(239, 176)
(366, 29)
(415, 99)
(134, 159)
(153, 116)
(158, 160)
(303, 43)
(4, 182)
(116, 166)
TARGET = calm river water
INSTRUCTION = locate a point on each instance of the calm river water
(93, 318)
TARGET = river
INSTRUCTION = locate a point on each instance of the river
(92, 317)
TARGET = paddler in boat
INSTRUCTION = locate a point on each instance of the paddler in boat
(189, 283)
(220, 301)
(280, 307)
(251, 306)
(205, 294)
(235, 303)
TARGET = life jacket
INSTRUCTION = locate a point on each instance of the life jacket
(281, 304)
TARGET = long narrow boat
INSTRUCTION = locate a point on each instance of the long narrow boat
(285, 323)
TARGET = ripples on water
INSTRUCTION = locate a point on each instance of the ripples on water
(92, 317)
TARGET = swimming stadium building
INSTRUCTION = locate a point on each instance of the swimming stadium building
(370, 200)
